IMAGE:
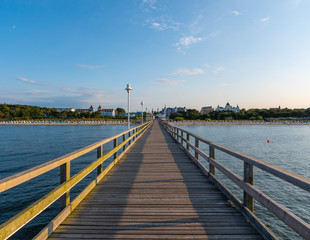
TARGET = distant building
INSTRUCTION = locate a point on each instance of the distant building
(90, 110)
(168, 111)
(275, 109)
(228, 107)
(107, 112)
(99, 108)
(65, 109)
(206, 110)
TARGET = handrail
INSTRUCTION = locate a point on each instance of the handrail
(246, 184)
(8, 228)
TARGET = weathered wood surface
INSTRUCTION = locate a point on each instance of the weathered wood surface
(156, 192)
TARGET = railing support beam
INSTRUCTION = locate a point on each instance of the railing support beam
(248, 172)
(197, 146)
(114, 146)
(99, 155)
(187, 139)
(211, 155)
(64, 177)
(124, 139)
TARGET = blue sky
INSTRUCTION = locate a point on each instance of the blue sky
(173, 52)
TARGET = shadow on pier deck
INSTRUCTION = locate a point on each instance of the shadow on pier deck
(155, 192)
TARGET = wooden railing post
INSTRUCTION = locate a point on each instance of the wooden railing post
(129, 135)
(211, 155)
(182, 138)
(178, 137)
(197, 146)
(114, 146)
(187, 139)
(65, 176)
(248, 172)
(124, 139)
(99, 155)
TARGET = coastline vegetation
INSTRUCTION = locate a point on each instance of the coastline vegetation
(251, 114)
(15, 112)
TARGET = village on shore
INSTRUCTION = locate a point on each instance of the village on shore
(228, 115)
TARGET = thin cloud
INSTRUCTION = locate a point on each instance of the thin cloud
(219, 69)
(185, 71)
(162, 23)
(86, 94)
(198, 25)
(148, 5)
(69, 90)
(27, 80)
(187, 41)
(38, 91)
(263, 20)
(169, 82)
(214, 34)
(235, 13)
(85, 66)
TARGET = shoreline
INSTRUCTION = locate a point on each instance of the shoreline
(239, 123)
(63, 123)
(178, 123)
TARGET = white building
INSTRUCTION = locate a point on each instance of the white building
(91, 109)
(107, 112)
(228, 107)
(169, 111)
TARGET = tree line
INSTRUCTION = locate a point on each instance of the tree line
(26, 112)
(251, 114)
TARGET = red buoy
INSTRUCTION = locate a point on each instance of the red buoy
(268, 141)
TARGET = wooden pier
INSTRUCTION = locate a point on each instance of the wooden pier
(159, 184)
(156, 192)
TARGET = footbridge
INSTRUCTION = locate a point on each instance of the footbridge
(155, 187)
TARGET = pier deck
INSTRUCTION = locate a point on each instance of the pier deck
(155, 192)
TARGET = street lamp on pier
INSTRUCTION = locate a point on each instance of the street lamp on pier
(142, 103)
(128, 89)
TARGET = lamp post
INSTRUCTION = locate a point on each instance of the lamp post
(142, 110)
(128, 89)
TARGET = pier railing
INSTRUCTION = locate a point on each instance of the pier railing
(62, 192)
(246, 183)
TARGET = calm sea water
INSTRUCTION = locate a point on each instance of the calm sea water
(22, 147)
(288, 148)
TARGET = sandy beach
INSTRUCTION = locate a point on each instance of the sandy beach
(210, 123)
(61, 123)
(221, 123)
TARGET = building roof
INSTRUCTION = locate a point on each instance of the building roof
(107, 110)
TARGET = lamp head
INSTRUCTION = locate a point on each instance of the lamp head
(128, 88)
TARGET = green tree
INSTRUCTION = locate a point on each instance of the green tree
(96, 115)
(120, 111)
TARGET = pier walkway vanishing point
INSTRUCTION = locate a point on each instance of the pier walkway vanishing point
(156, 192)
